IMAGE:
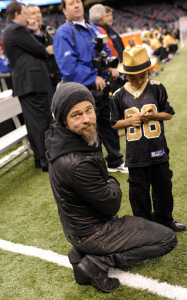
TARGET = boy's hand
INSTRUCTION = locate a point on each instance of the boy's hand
(147, 115)
(136, 120)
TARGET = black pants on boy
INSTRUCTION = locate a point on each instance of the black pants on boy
(155, 180)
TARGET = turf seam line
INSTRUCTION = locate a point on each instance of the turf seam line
(126, 278)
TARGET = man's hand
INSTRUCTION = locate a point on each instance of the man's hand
(100, 83)
(49, 50)
(33, 25)
(114, 73)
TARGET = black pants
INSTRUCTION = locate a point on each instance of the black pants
(173, 49)
(8, 82)
(161, 52)
(110, 136)
(141, 180)
(125, 241)
(36, 113)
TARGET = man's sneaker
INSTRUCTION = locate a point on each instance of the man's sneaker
(121, 169)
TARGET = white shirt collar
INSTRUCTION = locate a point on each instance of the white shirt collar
(83, 23)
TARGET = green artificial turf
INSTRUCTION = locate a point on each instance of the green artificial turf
(29, 216)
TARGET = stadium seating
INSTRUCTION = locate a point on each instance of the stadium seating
(129, 17)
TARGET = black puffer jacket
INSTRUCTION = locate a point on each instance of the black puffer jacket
(86, 196)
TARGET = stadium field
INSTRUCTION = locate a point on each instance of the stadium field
(33, 249)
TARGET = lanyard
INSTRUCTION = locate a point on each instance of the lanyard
(93, 39)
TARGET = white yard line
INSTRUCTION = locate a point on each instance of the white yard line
(151, 285)
(47, 255)
(126, 278)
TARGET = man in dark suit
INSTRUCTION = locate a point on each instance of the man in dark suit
(31, 81)
(47, 33)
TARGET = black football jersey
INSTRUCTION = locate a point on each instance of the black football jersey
(145, 145)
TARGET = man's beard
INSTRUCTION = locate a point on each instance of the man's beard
(91, 139)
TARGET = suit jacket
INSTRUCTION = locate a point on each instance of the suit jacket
(27, 60)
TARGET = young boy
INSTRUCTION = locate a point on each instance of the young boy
(140, 107)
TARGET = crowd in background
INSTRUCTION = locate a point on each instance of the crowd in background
(127, 18)
(134, 17)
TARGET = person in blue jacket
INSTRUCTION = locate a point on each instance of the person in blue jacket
(4, 68)
(74, 50)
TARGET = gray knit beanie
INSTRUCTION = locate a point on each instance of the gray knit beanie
(66, 96)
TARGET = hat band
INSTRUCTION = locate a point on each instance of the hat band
(137, 68)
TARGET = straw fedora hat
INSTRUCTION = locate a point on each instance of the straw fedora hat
(135, 61)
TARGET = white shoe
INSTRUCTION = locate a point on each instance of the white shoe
(166, 60)
(177, 52)
(121, 169)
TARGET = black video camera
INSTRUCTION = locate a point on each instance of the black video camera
(102, 61)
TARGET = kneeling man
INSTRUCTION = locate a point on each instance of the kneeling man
(88, 199)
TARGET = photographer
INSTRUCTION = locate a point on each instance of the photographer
(74, 49)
